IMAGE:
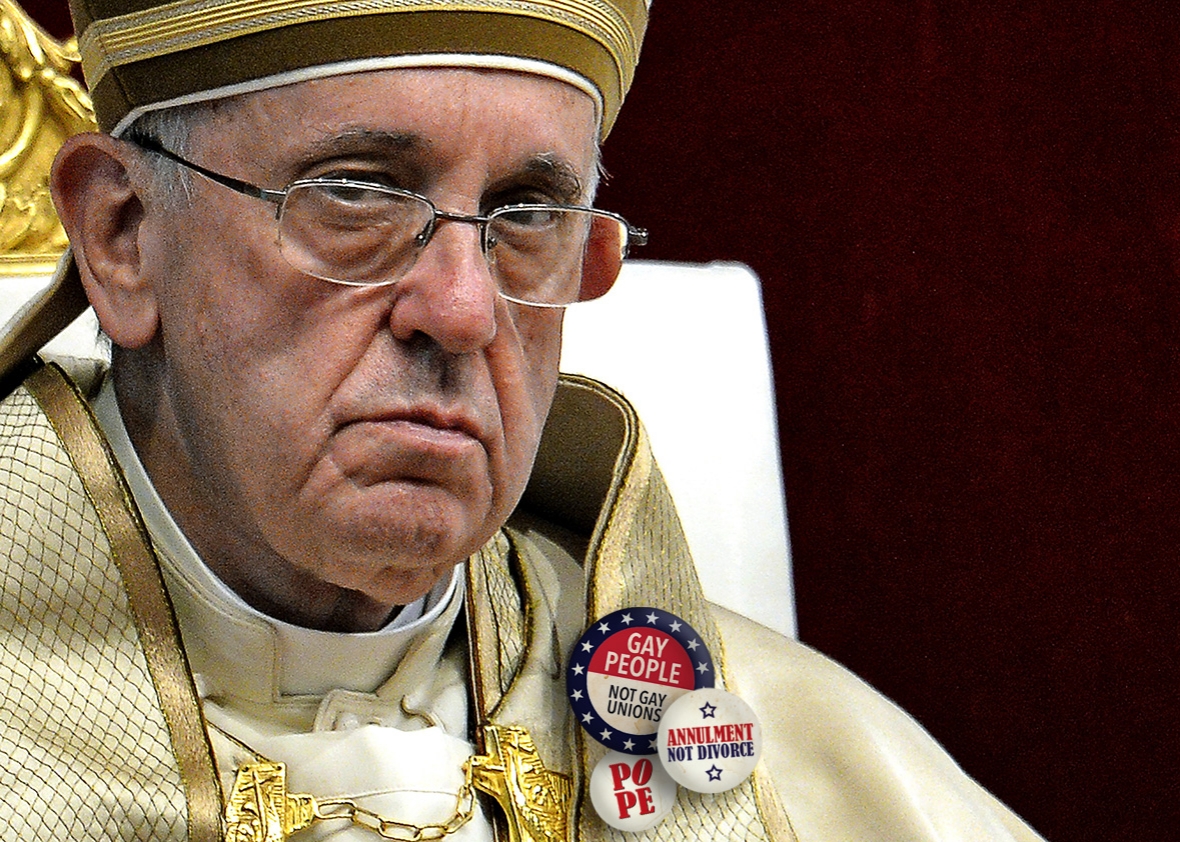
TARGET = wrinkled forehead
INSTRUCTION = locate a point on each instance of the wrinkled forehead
(439, 117)
(441, 95)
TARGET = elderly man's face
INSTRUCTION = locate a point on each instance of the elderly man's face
(332, 451)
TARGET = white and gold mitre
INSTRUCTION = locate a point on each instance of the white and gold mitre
(142, 55)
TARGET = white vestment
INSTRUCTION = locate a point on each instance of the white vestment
(385, 718)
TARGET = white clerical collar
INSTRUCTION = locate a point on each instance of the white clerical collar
(235, 649)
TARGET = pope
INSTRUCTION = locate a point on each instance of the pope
(310, 555)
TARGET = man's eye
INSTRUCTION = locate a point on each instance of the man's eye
(534, 216)
(349, 205)
(353, 193)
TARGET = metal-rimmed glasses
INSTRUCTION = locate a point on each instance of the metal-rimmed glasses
(364, 234)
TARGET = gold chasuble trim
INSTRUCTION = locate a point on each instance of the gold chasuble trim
(594, 451)
(639, 556)
(146, 595)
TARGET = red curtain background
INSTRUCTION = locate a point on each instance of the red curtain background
(967, 220)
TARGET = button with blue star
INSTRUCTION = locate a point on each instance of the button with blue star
(625, 671)
(709, 740)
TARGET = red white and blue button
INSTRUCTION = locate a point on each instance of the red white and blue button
(627, 669)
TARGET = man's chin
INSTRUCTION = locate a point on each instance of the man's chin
(370, 605)
(391, 544)
(397, 562)
(401, 522)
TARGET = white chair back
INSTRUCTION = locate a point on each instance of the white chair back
(686, 344)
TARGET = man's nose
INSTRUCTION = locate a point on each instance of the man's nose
(449, 294)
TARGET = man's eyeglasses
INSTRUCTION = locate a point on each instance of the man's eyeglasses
(362, 234)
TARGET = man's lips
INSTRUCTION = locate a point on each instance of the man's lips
(406, 445)
(420, 421)
(404, 428)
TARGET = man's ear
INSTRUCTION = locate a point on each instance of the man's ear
(603, 258)
(97, 191)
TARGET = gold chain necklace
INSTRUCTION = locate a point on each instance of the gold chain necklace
(535, 800)
(260, 809)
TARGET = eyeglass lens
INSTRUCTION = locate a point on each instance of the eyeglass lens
(361, 234)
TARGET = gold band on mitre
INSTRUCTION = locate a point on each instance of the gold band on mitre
(139, 55)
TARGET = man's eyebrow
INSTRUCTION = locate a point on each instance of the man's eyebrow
(365, 143)
(559, 174)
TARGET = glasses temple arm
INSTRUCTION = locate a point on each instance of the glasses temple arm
(150, 144)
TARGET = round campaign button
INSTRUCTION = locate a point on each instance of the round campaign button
(631, 793)
(709, 740)
(625, 671)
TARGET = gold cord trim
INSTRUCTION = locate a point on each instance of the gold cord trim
(187, 24)
(144, 586)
